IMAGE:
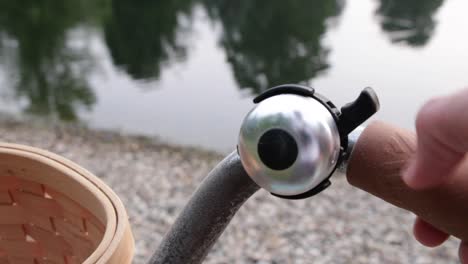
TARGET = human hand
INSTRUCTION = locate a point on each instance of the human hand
(442, 143)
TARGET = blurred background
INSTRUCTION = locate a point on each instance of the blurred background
(93, 80)
(186, 70)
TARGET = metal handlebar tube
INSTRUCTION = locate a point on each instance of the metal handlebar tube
(290, 144)
(207, 214)
(352, 139)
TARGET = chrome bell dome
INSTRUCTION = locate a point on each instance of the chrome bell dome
(291, 142)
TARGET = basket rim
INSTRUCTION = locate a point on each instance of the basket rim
(117, 226)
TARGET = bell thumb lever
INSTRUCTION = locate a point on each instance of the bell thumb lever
(355, 113)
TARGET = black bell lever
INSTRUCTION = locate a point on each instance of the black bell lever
(358, 111)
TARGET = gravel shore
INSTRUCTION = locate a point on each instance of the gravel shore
(155, 180)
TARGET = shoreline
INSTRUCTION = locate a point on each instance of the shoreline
(105, 135)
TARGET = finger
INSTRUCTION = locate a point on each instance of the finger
(442, 130)
(427, 234)
(463, 252)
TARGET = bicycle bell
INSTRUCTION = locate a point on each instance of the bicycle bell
(293, 140)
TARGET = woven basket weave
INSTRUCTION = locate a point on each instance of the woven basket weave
(53, 211)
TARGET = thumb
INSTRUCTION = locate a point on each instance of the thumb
(442, 130)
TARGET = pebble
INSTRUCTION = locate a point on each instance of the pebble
(155, 180)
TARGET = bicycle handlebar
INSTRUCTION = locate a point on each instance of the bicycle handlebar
(207, 214)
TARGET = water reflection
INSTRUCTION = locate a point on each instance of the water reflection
(409, 22)
(266, 42)
(144, 36)
(273, 42)
(50, 72)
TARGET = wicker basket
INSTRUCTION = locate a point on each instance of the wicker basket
(54, 211)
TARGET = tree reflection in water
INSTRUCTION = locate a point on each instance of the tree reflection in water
(144, 36)
(409, 22)
(50, 73)
(274, 42)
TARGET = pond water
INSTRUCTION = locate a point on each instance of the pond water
(186, 70)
